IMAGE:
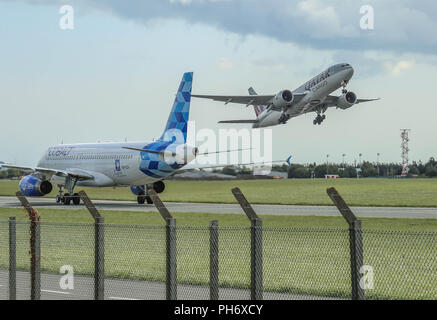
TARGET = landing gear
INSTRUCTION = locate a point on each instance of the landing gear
(320, 110)
(319, 119)
(60, 196)
(344, 84)
(283, 118)
(76, 199)
(142, 198)
(69, 197)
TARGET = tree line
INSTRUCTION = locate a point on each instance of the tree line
(366, 169)
(11, 173)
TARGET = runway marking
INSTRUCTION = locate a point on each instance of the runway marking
(120, 298)
(52, 291)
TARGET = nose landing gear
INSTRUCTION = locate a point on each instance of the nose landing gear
(344, 84)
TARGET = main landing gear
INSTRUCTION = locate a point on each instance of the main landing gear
(320, 110)
(284, 118)
(68, 197)
(319, 119)
(142, 198)
(143, 194)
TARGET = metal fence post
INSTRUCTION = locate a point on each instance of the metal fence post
(99, 259)
(99, 247)
(35, 264)
(171, 263)
(12, 259)
(171, 279)
(35, 247)
(355, 243)
(256, 260)
(213, 261)
(356, 249)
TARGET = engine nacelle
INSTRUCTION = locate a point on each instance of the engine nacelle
(283, 98)
(347, 100)
(138, 190)
(32, 186)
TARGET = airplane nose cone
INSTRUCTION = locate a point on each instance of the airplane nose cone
(350, 73)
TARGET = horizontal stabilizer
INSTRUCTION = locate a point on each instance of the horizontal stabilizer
(238, 121)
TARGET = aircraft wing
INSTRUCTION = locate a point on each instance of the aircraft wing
(247, 100)
(254, 100)
(209, 166)
(332, 100)
(76, 173)
(239, 121)
(366, 100)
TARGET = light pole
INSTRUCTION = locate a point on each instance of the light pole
(377, 162)
(343, 159)
(327, 156)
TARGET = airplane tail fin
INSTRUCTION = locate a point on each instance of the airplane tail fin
(258, 109)
(176, 128)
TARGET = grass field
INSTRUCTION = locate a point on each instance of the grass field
(356, 192)
(229, 220)
(302, 255)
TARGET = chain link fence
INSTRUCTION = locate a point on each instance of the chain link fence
(4, 260)
(109, 261)
(297, 263)
(404, 264)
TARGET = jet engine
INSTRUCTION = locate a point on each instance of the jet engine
(282, 99)
(32, 186)
(347, 100)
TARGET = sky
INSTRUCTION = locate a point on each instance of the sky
(113, 77)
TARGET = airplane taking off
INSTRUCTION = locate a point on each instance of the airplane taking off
(140, 165)
(313, 96)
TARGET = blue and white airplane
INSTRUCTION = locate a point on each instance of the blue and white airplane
(140, 165)
(312, 96)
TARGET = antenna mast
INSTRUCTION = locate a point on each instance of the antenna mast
(405, 149)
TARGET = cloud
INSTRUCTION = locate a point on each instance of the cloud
(397, 68)
(225, 63)
(400, 25)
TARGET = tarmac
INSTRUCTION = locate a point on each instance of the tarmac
(220, 208)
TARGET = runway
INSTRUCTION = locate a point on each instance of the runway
(127, 289)
(216, 208)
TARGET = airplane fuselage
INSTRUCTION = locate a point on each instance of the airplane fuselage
(109, 163)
